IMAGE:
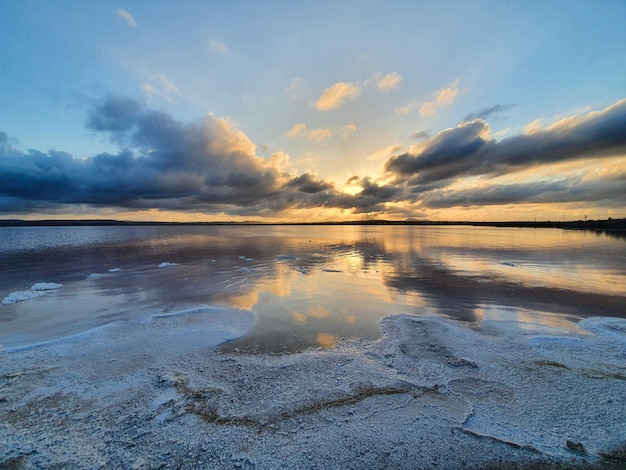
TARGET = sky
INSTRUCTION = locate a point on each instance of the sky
(313, 111)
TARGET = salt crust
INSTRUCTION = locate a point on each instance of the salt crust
(46, 286)
(430, 393)
(36, 290)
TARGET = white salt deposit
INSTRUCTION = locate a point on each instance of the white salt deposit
(36, 290)
(615, 328)
(46, 286)
(431, 393)
(166, 264)
(115, 270)
(20, 296)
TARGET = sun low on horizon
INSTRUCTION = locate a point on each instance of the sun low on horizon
(277, 111)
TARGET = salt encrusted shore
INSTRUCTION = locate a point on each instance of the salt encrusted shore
(431, 393)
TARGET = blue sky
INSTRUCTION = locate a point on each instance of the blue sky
(319, 110)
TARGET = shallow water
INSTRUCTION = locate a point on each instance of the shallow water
(309, 286)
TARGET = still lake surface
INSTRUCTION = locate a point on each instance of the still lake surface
(309, 286)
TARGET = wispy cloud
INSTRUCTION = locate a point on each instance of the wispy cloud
(420, 135)
(320, 133)
(161, 86)
(296, 86)
(126, 16)
(168, 85)
(389, 81)
(336, 95)
(488, 112)
(444, 97)
(409, 107)
(384, 152)
(218, 46)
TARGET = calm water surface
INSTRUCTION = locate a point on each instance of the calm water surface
(310, 286)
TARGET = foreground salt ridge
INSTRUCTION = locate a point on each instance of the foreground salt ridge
(431, 392)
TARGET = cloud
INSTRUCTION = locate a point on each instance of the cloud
(373, 196)
(207, 165)
(347, 130)
(296, 87)
(389, 81)
(307, 183)
(163, 88)
(210, 166)
(408, 108)
(127, 17)
(488, 112)
(168, 85)
(321, 133)
(563, 190)
(164, 164)
(468, 148)
(444, 97)
(384, 152)
(420, 135)
(298, 129)
(218, 46)
(336, 95)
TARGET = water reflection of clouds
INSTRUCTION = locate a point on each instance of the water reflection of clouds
(524, 318)
(533, 272)
(314, 311)
(343, 280)
(327, 340)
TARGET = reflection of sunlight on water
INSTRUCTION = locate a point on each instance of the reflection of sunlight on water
(353, 262)
(525, 319)
(534, 272)
(311, 285)
(327, 340)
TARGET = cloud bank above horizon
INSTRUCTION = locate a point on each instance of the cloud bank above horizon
(209, 166)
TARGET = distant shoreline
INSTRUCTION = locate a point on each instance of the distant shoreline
(603, 225)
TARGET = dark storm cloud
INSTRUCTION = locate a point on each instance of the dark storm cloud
(488, 112)
(466, 150)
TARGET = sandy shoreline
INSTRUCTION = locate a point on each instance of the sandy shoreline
(430, 394)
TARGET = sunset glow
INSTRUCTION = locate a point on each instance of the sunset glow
(313, 111)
